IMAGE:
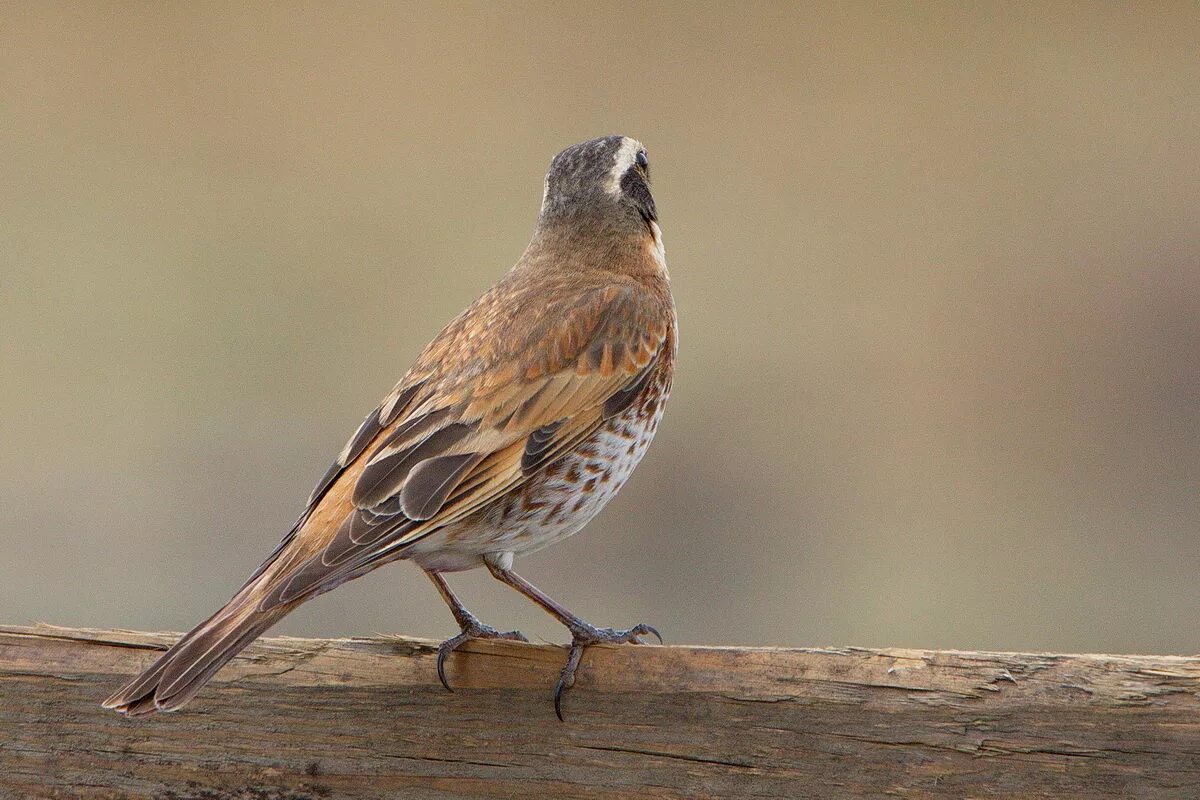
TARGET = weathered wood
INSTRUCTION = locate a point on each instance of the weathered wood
(303, 719)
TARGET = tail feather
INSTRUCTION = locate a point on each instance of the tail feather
(174, 678)
(136, 691)
(139, 708)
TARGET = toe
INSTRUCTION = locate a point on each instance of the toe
(472, 631)
(566, 678)
(444, 650)
(646, 630)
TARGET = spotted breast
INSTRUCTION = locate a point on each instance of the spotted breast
(566, 494)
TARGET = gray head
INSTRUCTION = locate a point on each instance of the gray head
(605, 180)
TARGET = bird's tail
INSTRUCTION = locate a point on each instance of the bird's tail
(174, 679)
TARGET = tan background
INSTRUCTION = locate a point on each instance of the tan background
(936, 270)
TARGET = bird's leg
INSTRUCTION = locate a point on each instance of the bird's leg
(471, 627)
(582, 633)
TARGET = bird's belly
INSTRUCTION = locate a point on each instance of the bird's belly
(553, 504)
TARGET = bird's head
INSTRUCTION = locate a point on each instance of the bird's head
(603, 181)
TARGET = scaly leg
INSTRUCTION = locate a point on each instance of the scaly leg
(471, 627)
(582, 632)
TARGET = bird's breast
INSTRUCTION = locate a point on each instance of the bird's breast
(572, 490)
(562, 498)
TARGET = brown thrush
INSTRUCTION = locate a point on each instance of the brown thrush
(511, 431)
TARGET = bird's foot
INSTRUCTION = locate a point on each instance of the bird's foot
(581, 637)
(471, 629)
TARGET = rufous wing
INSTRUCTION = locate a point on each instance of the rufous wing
(467, 425)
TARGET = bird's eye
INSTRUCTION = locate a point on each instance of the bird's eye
(642, 161)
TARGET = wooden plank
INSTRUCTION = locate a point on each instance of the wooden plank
(305, 719)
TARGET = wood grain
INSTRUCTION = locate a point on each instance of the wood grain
(306, 719)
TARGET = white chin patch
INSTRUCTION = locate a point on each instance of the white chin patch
(621, 163)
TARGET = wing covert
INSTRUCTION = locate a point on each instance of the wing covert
(464, 427)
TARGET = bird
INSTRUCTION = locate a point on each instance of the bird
(512, 429)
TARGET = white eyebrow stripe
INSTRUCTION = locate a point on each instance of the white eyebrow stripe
(623, 160)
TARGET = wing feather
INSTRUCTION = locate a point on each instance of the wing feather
(430, 483)
(476, 416)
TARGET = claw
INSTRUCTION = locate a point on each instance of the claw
(581, 638)
(566, 678)
(644, 629)
(444, 649)
(473, 631)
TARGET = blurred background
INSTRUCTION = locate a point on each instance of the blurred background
(936, 268)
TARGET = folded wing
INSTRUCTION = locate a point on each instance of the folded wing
(446, 442)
